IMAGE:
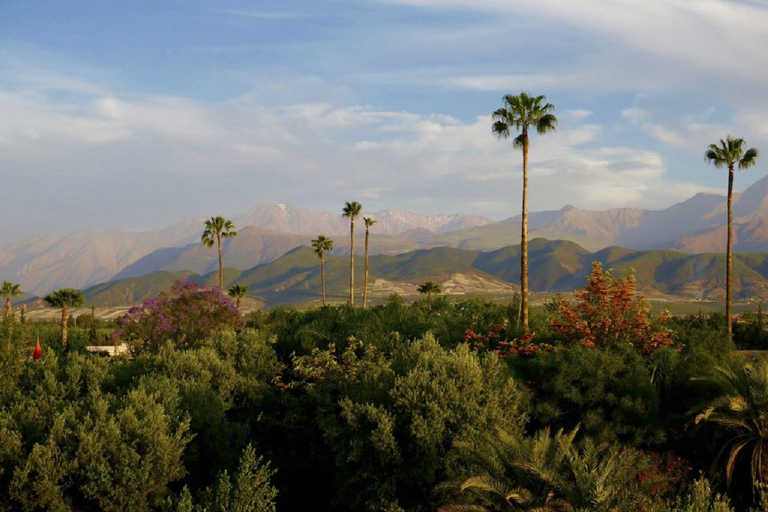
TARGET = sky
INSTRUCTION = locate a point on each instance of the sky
(140, 114)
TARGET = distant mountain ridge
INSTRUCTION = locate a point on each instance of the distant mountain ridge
(84, 258)
(80, 259)
(301, 221)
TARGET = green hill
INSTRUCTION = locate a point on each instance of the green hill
(133, 290)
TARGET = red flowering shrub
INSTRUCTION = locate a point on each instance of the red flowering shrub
(670, 473)
(489, 340)
(608, 313)
(493, 340)
(522, 346)
(186, 316)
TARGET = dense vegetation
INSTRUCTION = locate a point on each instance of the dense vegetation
(435, 405)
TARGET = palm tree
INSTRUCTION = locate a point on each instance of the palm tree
(351, 211)
(741, 412)
(728, 154)
(551, 473)
(521, 113)
(64, 298)
(238, 291)
(321, 244)
(215, 229)
(368, 223)
(10, 290)
(429, 288)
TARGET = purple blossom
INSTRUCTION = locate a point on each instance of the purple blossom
(186, 316)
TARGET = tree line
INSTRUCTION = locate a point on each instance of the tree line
(435, 405)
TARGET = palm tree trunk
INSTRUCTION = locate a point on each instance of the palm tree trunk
(64, 328)
(352, 265)
(221, 269)
(365, 284)
(7, 307)
(729, 258)
(322, 275)
(524, 238)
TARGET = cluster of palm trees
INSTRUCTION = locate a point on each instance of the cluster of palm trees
(218, 228)
(322, 244)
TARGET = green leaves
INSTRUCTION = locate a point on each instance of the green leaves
(553, 472)
(740, 411)
(521, 112)
(391, 418)
(730, 153)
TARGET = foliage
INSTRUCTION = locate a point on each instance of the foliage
(64, 298)
(250, 491)
(699, 498)
(428, 288)
(390, 420)
(741, 412)
(553, 472)
(79, 432)
(76, 445)
(607, 313)
(237, 292)
(186, 316)
(608, 392)
(493, 340)
(359, 410)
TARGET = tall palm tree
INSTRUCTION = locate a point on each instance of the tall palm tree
(429, 288)
(64, 298)
(368, 223)
(238, 291)
(522, 113)
(215, 229)
(740, 410)
(729, 154)
(10, 290)
(321, 244)
(351, 211)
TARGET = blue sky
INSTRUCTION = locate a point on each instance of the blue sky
(139, 114)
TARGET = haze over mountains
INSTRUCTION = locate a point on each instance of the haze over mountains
(84, 258)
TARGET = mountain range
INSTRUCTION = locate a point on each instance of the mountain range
(84, 258)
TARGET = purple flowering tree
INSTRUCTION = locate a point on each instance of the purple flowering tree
(185, 316)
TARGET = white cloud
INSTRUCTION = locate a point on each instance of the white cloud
(686, 133)
(621, 45)
(290, 152)
(175, 154)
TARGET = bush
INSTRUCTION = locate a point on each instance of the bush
(187, 316)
